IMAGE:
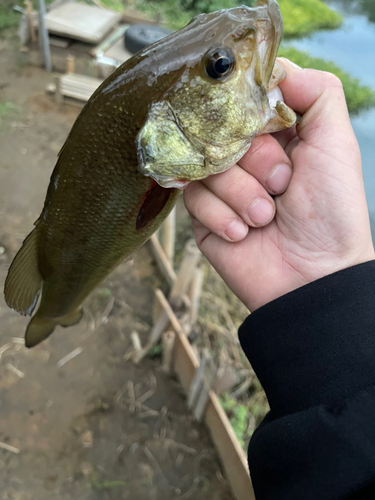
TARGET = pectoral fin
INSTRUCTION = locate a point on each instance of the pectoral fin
(24, 281)
(164, 153)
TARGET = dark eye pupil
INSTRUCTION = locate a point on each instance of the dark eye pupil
(219, 63)
(222, 65)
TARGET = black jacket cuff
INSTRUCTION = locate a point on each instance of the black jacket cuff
(306, 347)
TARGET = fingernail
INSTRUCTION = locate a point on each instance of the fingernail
(237, 230)
(261, 212)
(279, 179)
(294, 65)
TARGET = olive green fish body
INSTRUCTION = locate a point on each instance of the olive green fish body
(184, 108)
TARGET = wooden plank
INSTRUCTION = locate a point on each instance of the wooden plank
(231, 454)
(81, 22)
(81, 80)
(226, 442)
(79, 87)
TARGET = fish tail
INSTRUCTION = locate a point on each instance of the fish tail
(41, 327)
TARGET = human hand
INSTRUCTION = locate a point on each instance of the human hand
(317, 223)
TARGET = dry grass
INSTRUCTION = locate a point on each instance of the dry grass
(220, 315)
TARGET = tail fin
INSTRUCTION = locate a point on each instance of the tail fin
(24, 281)
(41, 327)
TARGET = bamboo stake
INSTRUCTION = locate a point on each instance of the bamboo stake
(196, 384)
(195, 293)
(162, 260)
(29, 14)
(208, 381)
(168, 339)
(185, 274)
(169, 236)
(157, 331)
(180, 285)
(169, 312)
(70, 64)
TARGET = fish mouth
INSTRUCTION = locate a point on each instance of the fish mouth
(170, 182)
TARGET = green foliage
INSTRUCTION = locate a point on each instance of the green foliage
(365, 7)
(155, 351)
(117, 5)
(306, 16)
(300, 16)
(8, 18)
(7, 109)
(106, 485)
(238, 416)
(358, 96)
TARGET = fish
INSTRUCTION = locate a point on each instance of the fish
(183, 108)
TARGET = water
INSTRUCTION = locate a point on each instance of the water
(352, 47)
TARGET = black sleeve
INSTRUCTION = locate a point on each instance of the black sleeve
(314, 353)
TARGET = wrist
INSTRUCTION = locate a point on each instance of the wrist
(269, 289)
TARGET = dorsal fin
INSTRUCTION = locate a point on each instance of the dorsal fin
(24, 281)
(154, 203)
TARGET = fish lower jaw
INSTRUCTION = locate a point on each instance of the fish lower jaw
(173, 183)
(165, 181)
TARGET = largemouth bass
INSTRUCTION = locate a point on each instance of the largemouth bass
(182, 109)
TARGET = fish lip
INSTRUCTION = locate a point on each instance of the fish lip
(165, 181)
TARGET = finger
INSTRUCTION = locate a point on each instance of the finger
(317, 95)
(268, 163)
(213, 213)
(244, 194)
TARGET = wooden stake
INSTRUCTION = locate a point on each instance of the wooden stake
(169, 236)
(30, 20)
(208, 380)
(168, 345)
(70, 64)
(162, 260)
(169, 311)
(157, 331)
(197, 382)
(185, 274)
(195, 293)
(58, 95)
(136, 341)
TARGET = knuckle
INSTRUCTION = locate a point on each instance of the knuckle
(258, 144)
(332, 80)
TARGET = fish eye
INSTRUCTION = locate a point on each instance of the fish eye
(219, 63)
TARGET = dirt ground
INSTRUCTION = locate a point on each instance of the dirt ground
(79, 430)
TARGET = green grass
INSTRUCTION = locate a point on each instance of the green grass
(358, 96)
(7, 109)
(8, 18)
(106, 485)
(306, 16)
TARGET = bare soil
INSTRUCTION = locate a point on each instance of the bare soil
(95, 426)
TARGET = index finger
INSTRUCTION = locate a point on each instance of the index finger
(317, 95)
